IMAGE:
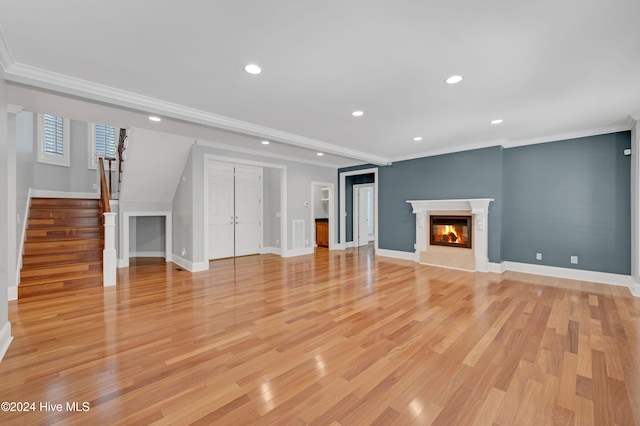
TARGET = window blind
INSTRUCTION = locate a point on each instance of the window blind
(53, 135)
(105, 141)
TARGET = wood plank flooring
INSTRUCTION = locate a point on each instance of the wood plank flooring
(342, 338)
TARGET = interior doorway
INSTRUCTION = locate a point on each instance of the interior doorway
(323, 214)
(344, 204)
(363, 214)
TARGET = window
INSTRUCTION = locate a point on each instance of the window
(53, 139)
(103, 142)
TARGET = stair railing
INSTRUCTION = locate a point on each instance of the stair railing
(109, 263)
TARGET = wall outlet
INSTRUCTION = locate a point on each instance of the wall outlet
(538, 256)
(18, 219)
(277, 243)
(95, 186)
(183, 252)
(574, 260)
(307, 241)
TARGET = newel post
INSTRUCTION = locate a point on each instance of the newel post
(109, 263)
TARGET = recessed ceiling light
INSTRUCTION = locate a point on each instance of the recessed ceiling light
(496, 121)
(417, 138)
(154, 118)
(357, 113)
(265, 142)
(454, 79)
(320, 154)
(253, 69)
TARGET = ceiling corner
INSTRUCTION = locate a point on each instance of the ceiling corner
(6, 57)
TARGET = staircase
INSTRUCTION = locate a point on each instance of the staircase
(63, 246)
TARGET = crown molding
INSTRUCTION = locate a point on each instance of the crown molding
(258, 153)
(6, 57)
(572, 135)
(449, 150)
(14, 109)
(40, 78)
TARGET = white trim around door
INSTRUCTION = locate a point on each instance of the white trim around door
(343, 209)
(243, 162)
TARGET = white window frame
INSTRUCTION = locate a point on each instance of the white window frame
(45, 157)
(91, 151)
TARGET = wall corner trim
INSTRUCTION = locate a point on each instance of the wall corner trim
(496, 267)
(396, 254)
(634, 286)
(271, 250)
(298, 252)
(5, 339)
(12, 293)
(190, 266)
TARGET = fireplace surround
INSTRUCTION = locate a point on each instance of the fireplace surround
(476, 258)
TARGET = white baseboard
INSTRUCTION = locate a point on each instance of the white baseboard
(147, 254)
(190, 266)
(568, 273)
(298, 252)
(496, 267)
(349, 244)
(271, 250)
(5, 339)
(12, 293)
(123, 263)
(23, 233)
(61, 194)
(634, 286)
(396, 254)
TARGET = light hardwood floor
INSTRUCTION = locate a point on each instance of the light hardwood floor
(332, 338)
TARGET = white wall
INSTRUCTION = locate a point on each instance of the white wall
(153, 164)
(271, 197)
(25, 164)
(7, 180)
(75, 178)
(188, 207)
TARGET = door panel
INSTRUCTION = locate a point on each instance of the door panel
(221, 214)
(363, 223)
(247, 210)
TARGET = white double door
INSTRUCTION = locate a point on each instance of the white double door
(235, 213)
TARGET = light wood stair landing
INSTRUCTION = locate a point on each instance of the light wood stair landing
(63, 246)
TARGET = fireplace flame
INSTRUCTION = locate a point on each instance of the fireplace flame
(451, 234)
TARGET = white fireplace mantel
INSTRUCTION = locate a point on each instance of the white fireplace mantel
(479, 208)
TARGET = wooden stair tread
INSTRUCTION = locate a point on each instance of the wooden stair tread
(48, 222)
(48, 258)
(64, 202)
(63, 213)
(34, 289)
(44, 238)
(63, 246)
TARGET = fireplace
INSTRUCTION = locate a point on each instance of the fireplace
(474, 259)
(451, 231)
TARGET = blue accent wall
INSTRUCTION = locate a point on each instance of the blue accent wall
(561, 199)
(569, 198)
(469, 174)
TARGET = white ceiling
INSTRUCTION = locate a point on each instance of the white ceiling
(549, 69)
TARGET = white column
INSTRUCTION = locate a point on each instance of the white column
(481, 240)
(421, 232)
(109, 261)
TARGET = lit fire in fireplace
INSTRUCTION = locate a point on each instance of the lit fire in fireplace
(451, 235)
(453, 231)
